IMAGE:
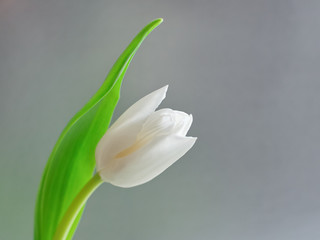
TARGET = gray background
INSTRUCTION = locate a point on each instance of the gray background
(248, 70)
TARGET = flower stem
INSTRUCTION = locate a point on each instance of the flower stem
(75, 207)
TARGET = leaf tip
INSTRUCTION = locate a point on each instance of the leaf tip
(157, 21)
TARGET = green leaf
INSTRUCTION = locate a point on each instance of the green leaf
(71, 163)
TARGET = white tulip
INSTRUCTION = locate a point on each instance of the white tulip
(143, 142)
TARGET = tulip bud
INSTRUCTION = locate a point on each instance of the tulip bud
(143, 142)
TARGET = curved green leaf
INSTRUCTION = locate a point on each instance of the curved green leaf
(71, 163)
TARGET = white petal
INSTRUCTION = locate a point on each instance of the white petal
(165, 122)
(183, 123)
(124, 131)
(147, 162)
(142, 108)
(160, 122)
(114, 141)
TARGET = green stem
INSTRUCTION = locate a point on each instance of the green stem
(75, 207)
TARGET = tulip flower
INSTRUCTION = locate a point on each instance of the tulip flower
(143, 142)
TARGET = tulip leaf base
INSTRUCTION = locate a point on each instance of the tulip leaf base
(72, 161)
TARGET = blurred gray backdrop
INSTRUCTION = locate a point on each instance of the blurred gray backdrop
(248, 70)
